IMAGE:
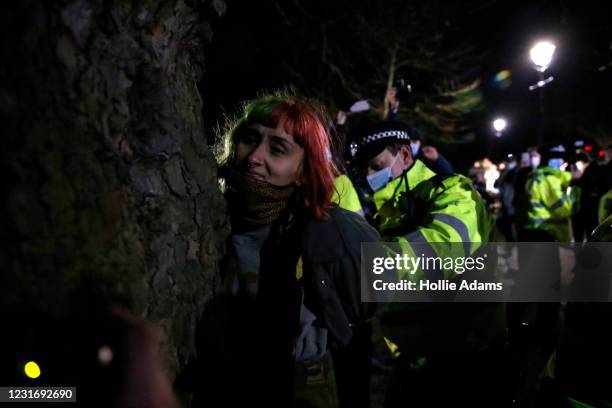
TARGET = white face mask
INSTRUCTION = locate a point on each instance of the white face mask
(380, 179)
(535, 161)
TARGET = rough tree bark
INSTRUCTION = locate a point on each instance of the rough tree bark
(111, 186)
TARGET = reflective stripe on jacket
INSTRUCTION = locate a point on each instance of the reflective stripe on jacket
(445, 209)
(448, 209)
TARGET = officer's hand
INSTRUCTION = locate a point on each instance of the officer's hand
(430, 153)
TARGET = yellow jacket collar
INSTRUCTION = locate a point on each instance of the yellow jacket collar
(564, 176)
(416, 174)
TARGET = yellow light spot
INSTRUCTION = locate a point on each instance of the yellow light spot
(32, 369)
(503, 75)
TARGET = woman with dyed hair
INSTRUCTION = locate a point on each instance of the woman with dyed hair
(293, 261)
(280, 144)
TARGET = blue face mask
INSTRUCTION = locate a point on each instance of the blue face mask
(415, 148)
(380, 179)
(555, 163)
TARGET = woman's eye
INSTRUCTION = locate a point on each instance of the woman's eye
(277, 149)
(248, 139)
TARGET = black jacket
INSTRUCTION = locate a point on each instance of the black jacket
(331, 254)
(240, 337)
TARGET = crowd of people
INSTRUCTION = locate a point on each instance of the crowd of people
(583, 171)
(304, 192)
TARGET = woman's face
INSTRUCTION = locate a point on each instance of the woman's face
(268, 154)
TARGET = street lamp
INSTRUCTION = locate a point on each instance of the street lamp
(541, 55)
(499, 125)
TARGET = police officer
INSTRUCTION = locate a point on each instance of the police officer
(605, 206)
(547, 208)
(442, 347)
(551, 198)
(605, 202)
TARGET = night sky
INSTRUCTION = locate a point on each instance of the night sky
(261, 45)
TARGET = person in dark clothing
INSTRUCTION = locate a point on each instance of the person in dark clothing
(591, 187)
(292, 275)
(547, 207)
(529, 161)
(594, 183)
(429, 155)
(505, 183)
(578, 164)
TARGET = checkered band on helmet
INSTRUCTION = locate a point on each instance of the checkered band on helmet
(397, 134)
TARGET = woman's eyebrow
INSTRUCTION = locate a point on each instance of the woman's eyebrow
(282, 140)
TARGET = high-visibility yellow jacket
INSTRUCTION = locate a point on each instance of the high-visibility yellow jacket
(446, 209)
(345, 195)
(605, 206)
(551, 201)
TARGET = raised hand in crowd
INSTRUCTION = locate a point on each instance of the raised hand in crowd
(430, 153)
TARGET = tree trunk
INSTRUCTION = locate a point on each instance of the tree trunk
(112, 191)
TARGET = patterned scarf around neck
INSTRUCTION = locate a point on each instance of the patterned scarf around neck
(254, 203)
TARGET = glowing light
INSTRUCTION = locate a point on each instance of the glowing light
(503, 79)
(499, 124)
(588, 148)
(105, 355)
(353, 148)
(502, 75)
(31, 369)
(541, 54)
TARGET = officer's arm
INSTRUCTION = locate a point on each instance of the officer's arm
(559, 198)
(457, 218)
